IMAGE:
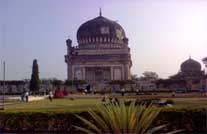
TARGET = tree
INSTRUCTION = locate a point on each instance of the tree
(35, 81)
(75, 82)
(134, 77)
(57, 83)
(148, 75)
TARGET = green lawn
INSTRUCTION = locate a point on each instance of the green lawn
(85, 103)
(190, 101)
(77, 104)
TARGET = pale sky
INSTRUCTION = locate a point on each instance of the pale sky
(162, 33)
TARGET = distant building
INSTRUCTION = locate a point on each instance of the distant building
(146, 85)
(102, 53)
(13, 86)
(20, 86)
(191, 73)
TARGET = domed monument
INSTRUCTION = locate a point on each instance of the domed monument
(190, 67)
(192, 73)
(102, 53)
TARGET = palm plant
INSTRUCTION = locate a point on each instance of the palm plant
(121, 119)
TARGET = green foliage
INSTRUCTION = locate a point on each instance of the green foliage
(75, 82)
(189, 119)
(57, 83)
(170, 101)
(35, 81)
(148, 75)
(121, 82)
(121, 119)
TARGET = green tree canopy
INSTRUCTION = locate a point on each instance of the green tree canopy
(74, 82)
(57, 83)
(148, 75)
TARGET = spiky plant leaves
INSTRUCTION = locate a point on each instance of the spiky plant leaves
(147, 118)
(88, 123)
(152, 130)
(132, 117)
(122, 119)
(98, 119)
(174, 132)
(84, 130)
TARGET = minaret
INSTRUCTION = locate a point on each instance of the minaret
(205, 63)
(100, 13)
(69, 45)
(205, 77)
(67, 58)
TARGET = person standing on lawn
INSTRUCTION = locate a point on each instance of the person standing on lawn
(122, 91)
(50, 95)
(27, 96)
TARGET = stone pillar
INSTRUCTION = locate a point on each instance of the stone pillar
(123, 72)
(69, 71)
(112, 73)
(73, 72)
(84, 73)
(126, 71)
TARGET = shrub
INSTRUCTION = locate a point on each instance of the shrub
(192, 120)
(169, 101)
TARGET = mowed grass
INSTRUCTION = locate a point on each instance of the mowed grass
(85, 103)
(68, 104)
(190, 102)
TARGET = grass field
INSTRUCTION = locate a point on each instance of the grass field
(85, 102)
(77, 104)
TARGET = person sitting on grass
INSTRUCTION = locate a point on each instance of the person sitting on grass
(116, 101)
(110, 99)
(103, 99)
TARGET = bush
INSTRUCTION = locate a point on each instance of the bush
(193, 120)
(169, 101)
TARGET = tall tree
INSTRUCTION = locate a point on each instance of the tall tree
(35, 81)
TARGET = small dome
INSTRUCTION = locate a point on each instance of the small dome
(100, 28)
(190, 65)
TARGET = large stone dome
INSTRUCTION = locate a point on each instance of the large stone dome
(190, 66)
(100, 29)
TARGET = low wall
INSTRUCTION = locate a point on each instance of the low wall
(18, 98)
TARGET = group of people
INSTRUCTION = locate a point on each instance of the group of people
(25, 96)
(111, 100)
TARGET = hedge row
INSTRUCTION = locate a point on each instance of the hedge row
(193, 120)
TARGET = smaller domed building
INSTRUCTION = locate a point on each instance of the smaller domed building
(190, 67)
(192, 73)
